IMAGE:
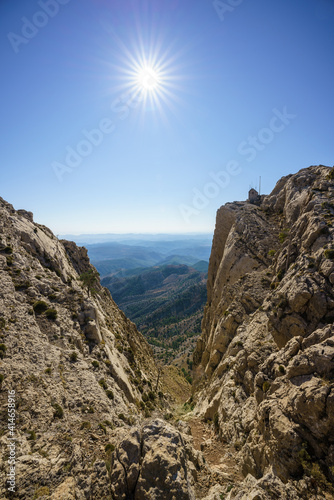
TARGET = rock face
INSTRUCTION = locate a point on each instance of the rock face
(84, 378)
(265, 362)
(157, 450)
(88, 399)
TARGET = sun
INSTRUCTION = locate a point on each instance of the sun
(151, 76)
(148, 79)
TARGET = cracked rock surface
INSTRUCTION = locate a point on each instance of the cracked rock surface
(154, 461)
(265, 362)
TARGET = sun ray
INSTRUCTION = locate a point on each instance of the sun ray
(149, 75)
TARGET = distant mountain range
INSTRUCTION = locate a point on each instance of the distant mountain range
(137, 239)
(112, 257)
(159, 281)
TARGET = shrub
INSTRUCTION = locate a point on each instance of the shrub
(48, 371)
(95, 363)
(329, 254)
(313, 469)
(32, 435)
(3, 350)
(282, 236)
(331, 174)
(1, 378)
(103, 384)
(59, 412)
(40, 306)
(89, 280)
(110, 394)
(151, 395)
(8, 250)
(271, 253)
(281, 369)
(74, 357)
(51, 314)
(109, 448)
(266, 386)
(319, 477)
(41, 492)
(280, 274)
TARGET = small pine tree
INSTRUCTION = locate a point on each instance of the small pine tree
(89, 279)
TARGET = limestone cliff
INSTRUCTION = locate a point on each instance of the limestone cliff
(83, 377)
(265, 362)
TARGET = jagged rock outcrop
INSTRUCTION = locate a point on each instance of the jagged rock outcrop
(83, 378)
(265, 362)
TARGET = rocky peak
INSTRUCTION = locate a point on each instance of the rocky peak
(86, 384)
(265, 362)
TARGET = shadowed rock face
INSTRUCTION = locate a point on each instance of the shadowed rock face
(265, 361)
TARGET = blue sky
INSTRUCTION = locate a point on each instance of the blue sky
(245, 89)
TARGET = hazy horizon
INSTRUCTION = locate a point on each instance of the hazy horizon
(137, 238)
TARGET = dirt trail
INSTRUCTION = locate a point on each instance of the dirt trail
(219, 457)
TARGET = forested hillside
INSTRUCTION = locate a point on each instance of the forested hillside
(166, 303)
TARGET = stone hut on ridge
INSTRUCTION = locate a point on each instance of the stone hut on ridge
(253, 195)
